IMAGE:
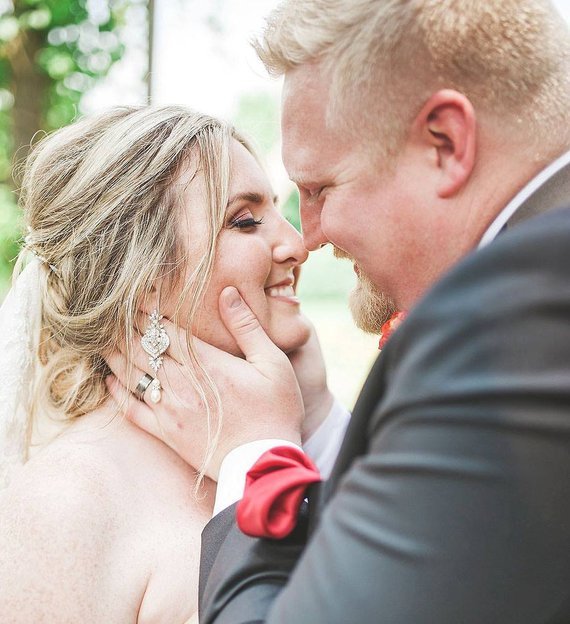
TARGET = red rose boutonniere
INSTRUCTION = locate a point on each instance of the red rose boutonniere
(390, 327)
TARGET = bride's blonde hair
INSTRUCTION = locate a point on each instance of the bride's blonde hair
(103, 208)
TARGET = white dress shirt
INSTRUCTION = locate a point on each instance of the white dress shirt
(323, 446)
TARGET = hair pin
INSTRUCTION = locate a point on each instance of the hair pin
(28, 245)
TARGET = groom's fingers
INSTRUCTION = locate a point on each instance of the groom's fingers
(242, 323)
(126, 374)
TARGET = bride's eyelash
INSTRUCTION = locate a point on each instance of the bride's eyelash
(242, 224)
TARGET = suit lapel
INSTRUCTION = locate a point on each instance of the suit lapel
(355, 442)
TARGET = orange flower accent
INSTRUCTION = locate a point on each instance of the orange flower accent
(390, 327)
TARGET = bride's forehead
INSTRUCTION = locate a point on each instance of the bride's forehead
(246, 175)
(246, 178)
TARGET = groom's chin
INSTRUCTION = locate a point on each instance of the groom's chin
(370, 308)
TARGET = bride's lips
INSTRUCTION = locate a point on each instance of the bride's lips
(283, 291)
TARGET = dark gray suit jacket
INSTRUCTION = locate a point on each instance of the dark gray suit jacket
(450, 499)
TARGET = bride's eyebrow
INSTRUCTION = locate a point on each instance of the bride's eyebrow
(251, 197)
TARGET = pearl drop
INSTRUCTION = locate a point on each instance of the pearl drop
(155, 395)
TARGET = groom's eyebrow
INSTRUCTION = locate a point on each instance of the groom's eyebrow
(251, 197)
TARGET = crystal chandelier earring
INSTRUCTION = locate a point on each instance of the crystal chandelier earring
(155, 342)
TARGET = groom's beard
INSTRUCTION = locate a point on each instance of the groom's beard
(370, 307)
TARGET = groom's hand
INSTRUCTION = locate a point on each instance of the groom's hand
(259, 394)
(309, 366)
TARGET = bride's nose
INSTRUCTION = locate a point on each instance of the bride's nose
(288, 245)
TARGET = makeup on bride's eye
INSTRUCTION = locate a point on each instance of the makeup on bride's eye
(243, 218)
(245, 222)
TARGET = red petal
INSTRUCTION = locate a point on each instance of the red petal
(390, 327)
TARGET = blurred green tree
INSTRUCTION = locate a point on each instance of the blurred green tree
(258, 116)
(51, 53)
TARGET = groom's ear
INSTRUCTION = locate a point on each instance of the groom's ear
(447, 127)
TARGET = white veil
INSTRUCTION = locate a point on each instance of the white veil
(19, 327)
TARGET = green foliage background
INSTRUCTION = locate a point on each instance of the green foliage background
(51, 53)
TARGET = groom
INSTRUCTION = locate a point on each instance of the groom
(419, 133)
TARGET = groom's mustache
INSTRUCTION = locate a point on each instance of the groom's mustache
(341, 254)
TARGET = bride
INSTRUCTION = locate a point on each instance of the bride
(132, 214)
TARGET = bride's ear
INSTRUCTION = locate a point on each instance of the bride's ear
(151, 300)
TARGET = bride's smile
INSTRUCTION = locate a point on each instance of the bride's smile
(284, 291)
(258, 251)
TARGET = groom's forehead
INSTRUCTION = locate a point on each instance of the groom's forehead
(305, 96)
(311, 156)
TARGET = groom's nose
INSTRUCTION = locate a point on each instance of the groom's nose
(313, 236)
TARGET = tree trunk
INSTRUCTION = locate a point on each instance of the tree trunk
(29, 89)
(149, 76)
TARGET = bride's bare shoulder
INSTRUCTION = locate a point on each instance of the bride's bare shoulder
(84, 522)
(60, 523)
(64, 502)
(63, 477)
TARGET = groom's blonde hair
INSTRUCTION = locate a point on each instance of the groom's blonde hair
(103, 202)
(384, 58)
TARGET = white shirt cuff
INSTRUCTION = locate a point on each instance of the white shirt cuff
(322, 447)
(235, 466)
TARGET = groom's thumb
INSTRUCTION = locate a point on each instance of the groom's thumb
(243, 325)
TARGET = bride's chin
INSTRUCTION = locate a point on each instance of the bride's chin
(288, 337)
